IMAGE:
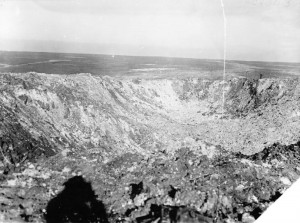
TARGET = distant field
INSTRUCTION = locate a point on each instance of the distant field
(144, 67)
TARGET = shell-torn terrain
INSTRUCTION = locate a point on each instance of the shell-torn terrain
(147, 150)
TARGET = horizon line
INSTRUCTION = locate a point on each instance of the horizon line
(191, 58)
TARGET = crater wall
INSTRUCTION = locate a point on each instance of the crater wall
(115, 116)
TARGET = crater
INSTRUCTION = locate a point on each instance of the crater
(91, 124)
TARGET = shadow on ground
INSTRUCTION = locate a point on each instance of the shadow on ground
(76, 203)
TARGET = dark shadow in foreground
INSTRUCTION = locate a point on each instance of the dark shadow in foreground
(76, 203)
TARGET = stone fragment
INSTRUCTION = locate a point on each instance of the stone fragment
(285, 181)
(12, 182)
(240, 187)
(66, 170)
(247, 218)
(140, 199)
(229, 220)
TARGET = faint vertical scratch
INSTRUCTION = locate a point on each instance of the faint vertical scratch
(224, 54)
(223, 105)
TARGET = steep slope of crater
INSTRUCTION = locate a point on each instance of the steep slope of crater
(121, 131)
(114, 116)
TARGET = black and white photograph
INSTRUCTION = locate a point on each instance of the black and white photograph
(149, 111)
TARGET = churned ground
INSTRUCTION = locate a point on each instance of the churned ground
(153, 150)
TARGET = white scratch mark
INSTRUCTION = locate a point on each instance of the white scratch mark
(224, 54)
(223, 104)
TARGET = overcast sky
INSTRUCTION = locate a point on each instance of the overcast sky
(267, 30)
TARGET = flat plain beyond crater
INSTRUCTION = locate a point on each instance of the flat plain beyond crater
(155, 145)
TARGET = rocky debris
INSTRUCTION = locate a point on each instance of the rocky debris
(227, 187)
(18, 148)
(182, 187)
(276, 153)
(161, 213)
(224, 187)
